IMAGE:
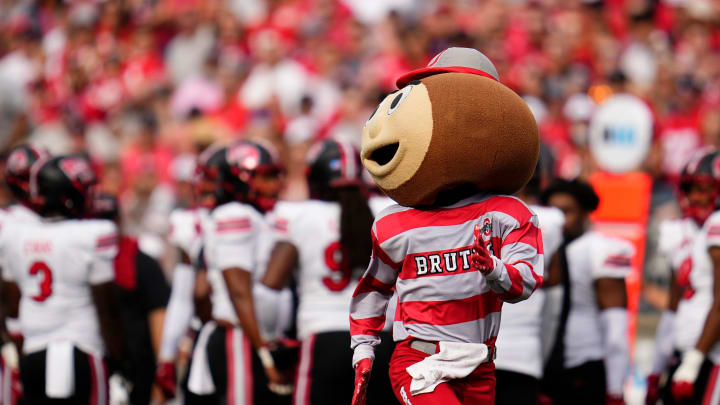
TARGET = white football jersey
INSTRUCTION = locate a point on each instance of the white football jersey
(590, 257)
(378, 203)
(234, 235)
(324, 287)
(186, 230)
(55, 264)
(675, 240)
(519, 342)
(693, 309)
(19, 213)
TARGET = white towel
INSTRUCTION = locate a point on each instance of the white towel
(59, 370)
(454, 360)
(200, 380)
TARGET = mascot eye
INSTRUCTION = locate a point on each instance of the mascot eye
(373, 113)
(399, 98)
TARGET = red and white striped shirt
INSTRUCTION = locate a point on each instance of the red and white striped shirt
(425, 256)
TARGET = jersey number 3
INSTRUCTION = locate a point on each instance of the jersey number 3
(46, 283)
(333, 259)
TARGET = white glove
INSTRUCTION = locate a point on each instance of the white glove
(10, 355)
(689, 368)
(119, 390)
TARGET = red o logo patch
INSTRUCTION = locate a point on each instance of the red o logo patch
(487, 227)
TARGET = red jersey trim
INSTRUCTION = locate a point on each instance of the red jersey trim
(106, 241)
(229, 225)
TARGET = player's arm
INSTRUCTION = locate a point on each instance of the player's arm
(283, 260)
(179, 309)
(284, 257)
(108, 310)
(611, 263)
(520, 271)
(10, 299)
(612, 301)
(104, 292)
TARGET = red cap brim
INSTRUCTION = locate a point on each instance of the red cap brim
(418, 74)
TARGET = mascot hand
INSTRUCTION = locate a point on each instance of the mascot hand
(166, 379)
(362, 378)
(480, 257)
(686, 374)
(653, 389)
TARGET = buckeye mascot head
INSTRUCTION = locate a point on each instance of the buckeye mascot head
(452, 130)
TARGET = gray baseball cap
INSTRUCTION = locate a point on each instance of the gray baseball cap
(458, 60)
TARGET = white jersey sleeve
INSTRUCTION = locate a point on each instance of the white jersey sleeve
(282, 219)
(182, 229)
(552, 221)
(235, 238)
(611, 257)
(675, 237)
(713, 230)
(103, 250)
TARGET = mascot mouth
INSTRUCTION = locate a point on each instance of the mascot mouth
(385, 154)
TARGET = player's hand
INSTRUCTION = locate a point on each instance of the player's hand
(276, 382)
(653, 389)
(166, 379)
(686, 374)
(362, 378)
(480, 257)
(10, 355)
(611, 399)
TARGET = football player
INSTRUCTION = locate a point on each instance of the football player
(236, 245)
(325, 239)
(590, 360)
(143, 293)
(17, 177)
(186, 237)
(675, 243)
(704, 282)
(59, 278)
(519, 363)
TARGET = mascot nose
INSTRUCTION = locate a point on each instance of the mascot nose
(373, 128)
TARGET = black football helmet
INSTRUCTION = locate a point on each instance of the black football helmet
(703, 169)
(233, 170)
(105, 206)
(62, 185)
(207, 175)
(17, 171)
(332, 164)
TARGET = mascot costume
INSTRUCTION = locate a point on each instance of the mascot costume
(448, 147)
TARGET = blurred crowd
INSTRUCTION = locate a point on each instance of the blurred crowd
(144, 85)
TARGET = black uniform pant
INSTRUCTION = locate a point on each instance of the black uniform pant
(698, 388)
(237, 373)
(513, 388)
(90, 380)
(584, 384)
(326, 376)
